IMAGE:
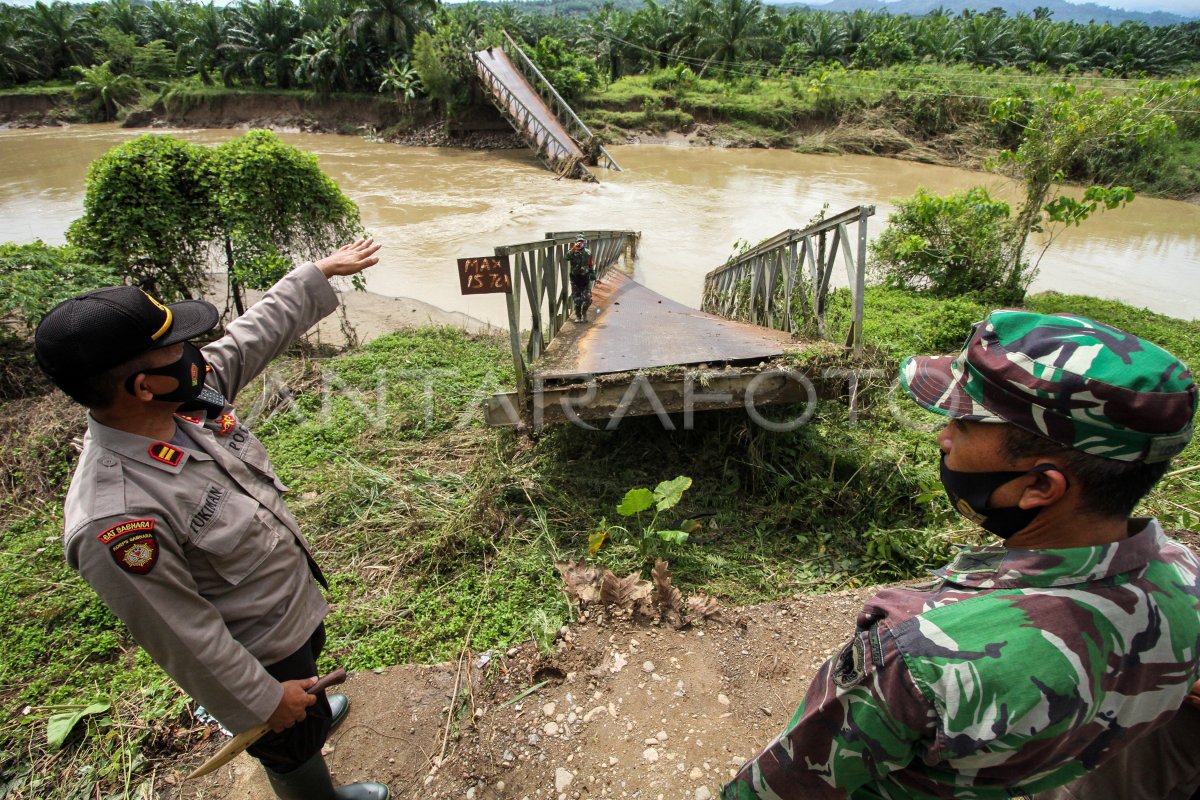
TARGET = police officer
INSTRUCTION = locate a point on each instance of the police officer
(176, 518)
(1023, 664)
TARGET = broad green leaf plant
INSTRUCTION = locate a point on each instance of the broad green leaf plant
(651, 539)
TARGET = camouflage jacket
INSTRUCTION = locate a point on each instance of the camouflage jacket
(581, 264)
(1014, 671)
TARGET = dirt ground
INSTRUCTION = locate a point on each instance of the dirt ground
(619, 709)
(623, 710)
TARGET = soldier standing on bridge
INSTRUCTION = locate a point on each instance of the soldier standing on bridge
(583, 273)
(1024, 664)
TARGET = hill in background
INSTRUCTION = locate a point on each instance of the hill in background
(1060, 10)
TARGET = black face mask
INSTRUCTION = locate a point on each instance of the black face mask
(969, 493)
(189, 370)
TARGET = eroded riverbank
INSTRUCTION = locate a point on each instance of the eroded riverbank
(431, 206)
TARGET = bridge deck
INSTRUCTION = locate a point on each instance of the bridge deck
(561, 144)
(637, 328)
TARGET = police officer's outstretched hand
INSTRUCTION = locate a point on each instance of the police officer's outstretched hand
(293, 707)
(350, 259)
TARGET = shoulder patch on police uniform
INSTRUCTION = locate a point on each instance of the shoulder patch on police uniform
(132, 544)
(228, 422)
(849, 667)
(161, 451)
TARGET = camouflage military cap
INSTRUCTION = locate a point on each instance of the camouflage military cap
(1070, 379)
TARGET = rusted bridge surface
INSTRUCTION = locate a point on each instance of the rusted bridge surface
(538, 113)
(641, 353)
(634, 328)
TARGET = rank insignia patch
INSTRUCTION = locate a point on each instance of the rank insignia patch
(132, 544)
(161, 451)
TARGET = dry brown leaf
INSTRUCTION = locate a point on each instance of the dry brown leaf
(582, 580)
(701, 606)
(645, 609)
(666, 596)
(623, 592)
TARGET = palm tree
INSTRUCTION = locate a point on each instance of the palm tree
(1040, 41)
(734, 33)
(15, 63)
(824, 38)
(393, 24)
(260, 37)
(162, 21)
(125, 17)
(690, 20)
(201, 36)
(61, 36)
(651, 30)
(321, 60)
(105, 89)
(987, 40)
(938, 38)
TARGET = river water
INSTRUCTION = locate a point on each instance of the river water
(430, 206)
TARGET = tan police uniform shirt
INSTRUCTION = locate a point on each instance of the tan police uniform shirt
(193, 547)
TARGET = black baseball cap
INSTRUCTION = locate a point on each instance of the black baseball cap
(98, 330)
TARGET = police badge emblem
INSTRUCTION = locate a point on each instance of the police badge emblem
(133, 545)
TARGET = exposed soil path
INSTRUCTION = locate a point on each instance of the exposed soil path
(624, 710)
(627, 710)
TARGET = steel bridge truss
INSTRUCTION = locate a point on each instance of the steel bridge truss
(787, 277)
(566, 115)
(540, 278)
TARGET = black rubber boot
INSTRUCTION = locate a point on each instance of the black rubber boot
(339, 704)
(311, 781)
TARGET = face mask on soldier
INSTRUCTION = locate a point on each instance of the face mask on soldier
(969, 493)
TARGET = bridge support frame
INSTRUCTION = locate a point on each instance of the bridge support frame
(788, 276)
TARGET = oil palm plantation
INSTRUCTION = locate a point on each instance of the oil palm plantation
(734, 35)
(391, 24)
(201, 36)
(61, 36)
(261, 38)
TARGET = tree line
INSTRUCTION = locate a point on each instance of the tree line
(410, 46)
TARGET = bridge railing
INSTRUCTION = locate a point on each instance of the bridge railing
(786, 278)
(566, 115)
(528, 123)
(540, 278)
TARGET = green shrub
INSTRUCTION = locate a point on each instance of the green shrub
(678, 78)
(36, 277)
(570, 73)
(948, 246)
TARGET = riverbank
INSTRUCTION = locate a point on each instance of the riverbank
(439, 533)
(928, 114)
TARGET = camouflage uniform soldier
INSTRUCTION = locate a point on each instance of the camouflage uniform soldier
(1025, 664)
(582, 273)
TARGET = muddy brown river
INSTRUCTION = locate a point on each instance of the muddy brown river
(431, 206)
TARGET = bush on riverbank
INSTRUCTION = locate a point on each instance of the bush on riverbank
(417, 512)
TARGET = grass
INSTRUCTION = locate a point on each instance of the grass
(925, 112)
(48, 88)
(431, 525)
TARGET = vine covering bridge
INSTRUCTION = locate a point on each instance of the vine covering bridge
(641, 353)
